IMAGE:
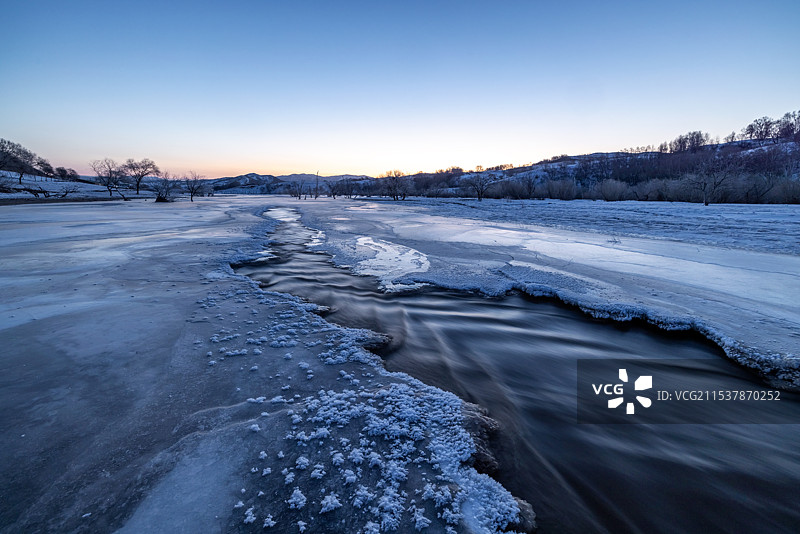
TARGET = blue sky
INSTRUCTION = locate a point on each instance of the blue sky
(364, 87)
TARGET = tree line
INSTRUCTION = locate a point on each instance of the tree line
(19, 160)
(115, 177)
(760, 164)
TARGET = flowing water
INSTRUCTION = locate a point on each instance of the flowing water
(516, 356)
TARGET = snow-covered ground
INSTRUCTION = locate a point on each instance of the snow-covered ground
(145, 387)
(12, 190)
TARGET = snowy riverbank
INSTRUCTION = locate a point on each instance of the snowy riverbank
(146, 386)
(731, 272)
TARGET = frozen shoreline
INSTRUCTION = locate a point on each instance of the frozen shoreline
(203, 402)
(114, 312)
(696, 269)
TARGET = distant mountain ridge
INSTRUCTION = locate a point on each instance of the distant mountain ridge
(254, 183)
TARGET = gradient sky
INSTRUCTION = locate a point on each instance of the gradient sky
(225, 88)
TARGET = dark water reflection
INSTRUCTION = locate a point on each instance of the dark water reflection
(517, 358)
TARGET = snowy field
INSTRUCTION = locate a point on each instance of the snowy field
(145, 385)
(54, 189)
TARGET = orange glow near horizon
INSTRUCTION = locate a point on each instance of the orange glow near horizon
(275, 88)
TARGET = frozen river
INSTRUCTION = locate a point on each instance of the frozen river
(517, 357)
(147, 387)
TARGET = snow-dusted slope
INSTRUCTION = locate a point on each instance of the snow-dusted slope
(40, 187)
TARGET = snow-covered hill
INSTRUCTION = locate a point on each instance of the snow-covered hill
(259, 184)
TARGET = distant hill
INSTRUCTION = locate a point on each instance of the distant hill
(259, 184)
(244, 181)
(310, 178)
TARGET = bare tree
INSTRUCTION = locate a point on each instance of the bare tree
(564, 189)
(67, 175)
(334, 188)
(528, 186)
(35, 191)
(691, 141)
(44, 166)
(696, 140)
(109, 174)
(612, 190)
(711, 178)
(195, 185)
(347, 187)
(138, 170)
(66, 189)
(296, 189)
(165, 187)
(480, 183)
(760, 129)
(394, 185)
(788, 127)
(16, 158)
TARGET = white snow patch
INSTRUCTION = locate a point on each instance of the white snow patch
(390, 262)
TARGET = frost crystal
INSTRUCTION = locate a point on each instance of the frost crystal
(318, 472)
(375, 459)
(356, 456)
(391, 506)
(420, 521)
(362, 496)
(330, 502)
(349, 476)
(321, 433)
(297, 500)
